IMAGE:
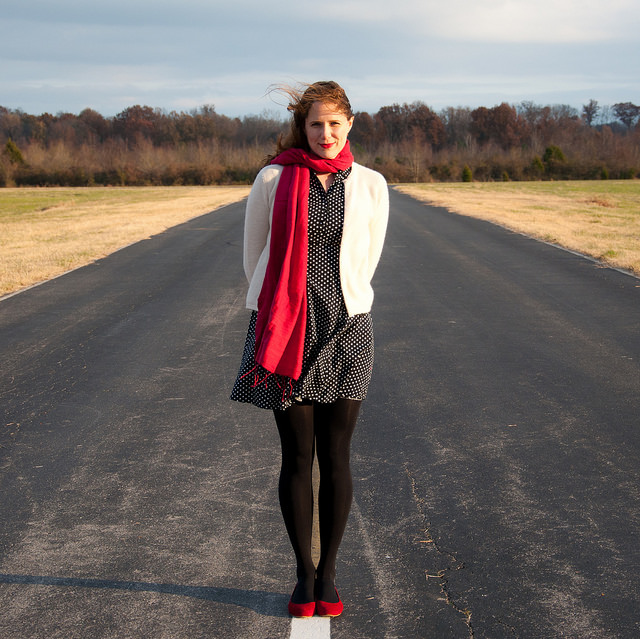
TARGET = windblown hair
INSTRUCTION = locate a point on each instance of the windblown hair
(300, 103)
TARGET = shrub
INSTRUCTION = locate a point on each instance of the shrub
(555, 162)
(553, 154)
(441, 172)
(537, 167)
(13, 153)
(467, 175)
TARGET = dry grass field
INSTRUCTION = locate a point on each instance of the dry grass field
(45, 232)
(600, 219)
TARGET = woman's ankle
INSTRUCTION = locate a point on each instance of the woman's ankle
(325, 590)
(304, 591)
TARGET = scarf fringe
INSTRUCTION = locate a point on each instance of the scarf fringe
(286, 387)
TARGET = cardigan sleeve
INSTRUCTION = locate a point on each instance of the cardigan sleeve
(365, 223)
(378, 224)
(257, 221)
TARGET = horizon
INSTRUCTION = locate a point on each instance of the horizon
(282, 115)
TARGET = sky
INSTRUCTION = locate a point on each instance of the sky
(177, 55)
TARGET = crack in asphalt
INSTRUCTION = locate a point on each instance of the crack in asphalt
(441, 574)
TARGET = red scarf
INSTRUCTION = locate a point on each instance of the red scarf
(282, 304)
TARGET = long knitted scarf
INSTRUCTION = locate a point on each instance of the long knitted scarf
(282, 304)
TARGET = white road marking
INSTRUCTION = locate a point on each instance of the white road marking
(312, 628)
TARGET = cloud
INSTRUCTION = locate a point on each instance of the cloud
(496, 21)
(522, 21)
(519, 21)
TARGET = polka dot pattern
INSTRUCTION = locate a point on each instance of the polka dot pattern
(338, 349)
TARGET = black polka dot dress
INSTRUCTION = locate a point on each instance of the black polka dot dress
(338, 349)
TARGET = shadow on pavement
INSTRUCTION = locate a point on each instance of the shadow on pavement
(270, 604)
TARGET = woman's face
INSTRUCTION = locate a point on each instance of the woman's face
(327, 130)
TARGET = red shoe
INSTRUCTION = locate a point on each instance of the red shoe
(301, 610)
(329, 609)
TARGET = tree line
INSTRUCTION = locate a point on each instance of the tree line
(405, 142)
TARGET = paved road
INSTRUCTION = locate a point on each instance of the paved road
(497, 460)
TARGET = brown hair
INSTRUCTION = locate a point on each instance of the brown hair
(300, 103)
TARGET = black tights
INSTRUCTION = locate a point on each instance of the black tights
(305, 429)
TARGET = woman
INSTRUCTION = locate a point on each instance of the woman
(314, 228)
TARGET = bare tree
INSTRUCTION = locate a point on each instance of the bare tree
(627, 113)
(457, 124)
(590, 111)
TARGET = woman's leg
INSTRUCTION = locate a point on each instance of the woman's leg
(334, 426)
(295, 490)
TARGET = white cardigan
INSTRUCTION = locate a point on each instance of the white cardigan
(366, 211)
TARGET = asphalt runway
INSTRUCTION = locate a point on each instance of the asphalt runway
(496, 462)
